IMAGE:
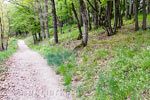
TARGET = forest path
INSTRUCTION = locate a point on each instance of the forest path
(30, 78)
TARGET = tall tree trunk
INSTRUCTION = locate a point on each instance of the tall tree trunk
(40, 38)
(148, 6)
(119, 13)
(88, 11)
(96, 14)
(2, 34)
(54, 22)
(130, 8)
(108, 19)
(77, 19)
(81, 19)
(123, 7)
(46, 19)
(144, 15)
(84, 16)
(100, 14)
(41, 19)
(9, 32)
(136, 16)
(116, 16)
(127, 9)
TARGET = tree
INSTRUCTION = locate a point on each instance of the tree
(54, 22)
(148, 6)
(78, 22)
(136, 15)
(2, 34)
(84, 16)
(96, 14)
(108, 19)
(144, 15)
(89, 23)
(41, 19)
(2, 25)
(34, 16)
(127, 9)
(116, 14)
(46, 18)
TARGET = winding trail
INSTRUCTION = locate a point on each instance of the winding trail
(30, 78)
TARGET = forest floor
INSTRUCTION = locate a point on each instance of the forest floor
(30, 78)
(108, 68)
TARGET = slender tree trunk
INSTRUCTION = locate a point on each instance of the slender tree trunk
(116, 16)
(54, 22)
(148, 6)
(127, 9)
(119, 14)
(9, 33)
(88, 11)
(40, 38)
(100, 14)
(108, 19)
(84, 15)
(95, 14)
(2, 34)
(46, 19)
(81, 19)
(136, 16)
(123, 7)
(77, 19)
(144, 15)
(130, 8)
(41, 19)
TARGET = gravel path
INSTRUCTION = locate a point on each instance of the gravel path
(30, 78)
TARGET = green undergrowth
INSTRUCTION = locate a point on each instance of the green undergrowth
(121, 70)
(109, 68)
(12, 47)
(62, 58)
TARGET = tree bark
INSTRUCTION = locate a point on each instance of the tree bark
(46, 19)
(144, 15)
(130, 8)
(2, 34)
(108, 19)
(77, 19)
(136, 16)
(119, 14)
(54, 22)
(95, 15)
(41, 19)
(81, 19)
(116, 15)
(9, 31)
(127, 9)
(84, 16)
(88, 11)
(148, 6)
(124, 6)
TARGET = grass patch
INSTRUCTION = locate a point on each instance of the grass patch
(12, 47)
(58, 58)
(101, 54)
(109, 68)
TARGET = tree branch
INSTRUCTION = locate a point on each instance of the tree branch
(92, 6)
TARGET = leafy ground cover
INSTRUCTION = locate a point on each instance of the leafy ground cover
(12, 47)
(109, 68)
